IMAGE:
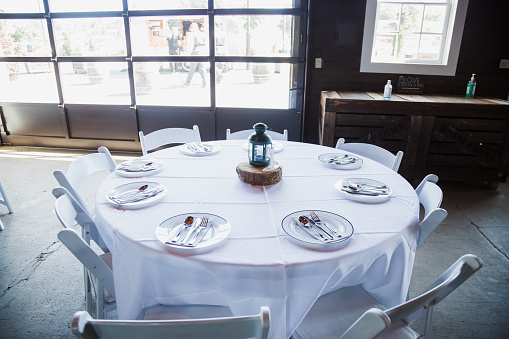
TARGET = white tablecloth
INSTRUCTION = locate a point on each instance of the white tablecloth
(258, 264)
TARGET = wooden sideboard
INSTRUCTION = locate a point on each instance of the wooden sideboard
(456, 138)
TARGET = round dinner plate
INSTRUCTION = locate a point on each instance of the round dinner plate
(133, 190)
(278, 147)
(139, 167)
(383, 195)
(217, 233)
(335, 160)
(213, 149)
(302, 238)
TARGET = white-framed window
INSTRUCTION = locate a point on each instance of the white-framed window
(413, 36)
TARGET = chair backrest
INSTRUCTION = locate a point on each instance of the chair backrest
(167, 136)
(257, 326)
(244, 134)
(374, 152)
(69, 211)
(83, 167)
(375, 321)
(430, 197)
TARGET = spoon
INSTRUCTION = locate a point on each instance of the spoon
(305, 222)
(187, 223)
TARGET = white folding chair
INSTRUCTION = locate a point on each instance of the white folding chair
(4, 201)
(373, 152)
(430, 197)
(256, 326)
(82, 168)
(167, 136)
(98, 272)
(352, 313)
(244, 134)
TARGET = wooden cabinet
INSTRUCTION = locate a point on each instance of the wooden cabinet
(453, 137)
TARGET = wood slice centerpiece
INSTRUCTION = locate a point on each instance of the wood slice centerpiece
(260, 176)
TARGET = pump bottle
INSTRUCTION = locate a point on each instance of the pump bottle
(471, 87)
(388, 90)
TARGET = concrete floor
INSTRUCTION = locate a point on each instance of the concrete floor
(41, 283)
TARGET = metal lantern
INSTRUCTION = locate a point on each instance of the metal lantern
(260, 145)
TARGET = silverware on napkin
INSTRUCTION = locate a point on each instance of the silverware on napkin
(141, 194)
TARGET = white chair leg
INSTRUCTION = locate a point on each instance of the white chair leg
(88, 291)
(99, 300)
(1, 226)
(5, 200)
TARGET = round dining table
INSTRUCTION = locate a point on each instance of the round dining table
(258, 263)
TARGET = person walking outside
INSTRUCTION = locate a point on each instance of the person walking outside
(196, 42)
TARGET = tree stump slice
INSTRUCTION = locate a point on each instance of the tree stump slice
(257, 176)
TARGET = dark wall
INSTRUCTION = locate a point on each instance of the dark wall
(336, 36)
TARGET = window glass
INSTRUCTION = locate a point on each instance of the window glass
(27, 82)
(167, 4)
(254, 3)
(24, 38)
(22, 6)
(254, 35)
(85, 6)
(412, 36)
(90, 36)
(170, 35)
(95, 82)
(255, 85)
(157, 84)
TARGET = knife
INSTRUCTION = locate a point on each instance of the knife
(201, 234)
(312, 222)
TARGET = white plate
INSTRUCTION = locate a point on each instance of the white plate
(341, 187)
(327, 160)
(214, 149)
(278, 147)
(303, 238)
(139, 167)
(217, 233)
(134, 187)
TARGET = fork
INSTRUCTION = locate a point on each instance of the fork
(201, 228)
(317, 220)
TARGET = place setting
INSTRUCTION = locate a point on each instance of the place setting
(341, 161)
(199, 148)
(363, 190)
(136, 194)
(319, 230)
(193, 232)
(139, 167)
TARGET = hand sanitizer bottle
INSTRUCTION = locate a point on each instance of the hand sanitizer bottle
(388, 90)
(471, 87)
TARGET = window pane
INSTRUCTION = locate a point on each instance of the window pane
(24, 38)
(430, 46)
(27, 82)
(411, 18)
(254, 3)
(408, 46)
(22, 6)
(156, 84)
(95, 83)
(388, 18)
(85, 6)
(269, 35)
(168, 4)
(89, 36)
(256, 85)
(384, 47)
(169, 35)
(434, 19)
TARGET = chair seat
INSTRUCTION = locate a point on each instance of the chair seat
(179, 312)
(338, 310)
